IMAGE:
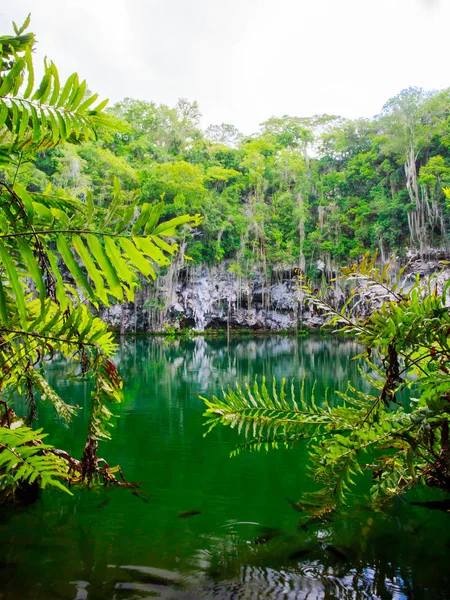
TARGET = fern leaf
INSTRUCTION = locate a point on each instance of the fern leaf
(25, 463)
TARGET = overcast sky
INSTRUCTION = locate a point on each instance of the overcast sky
(246, 60)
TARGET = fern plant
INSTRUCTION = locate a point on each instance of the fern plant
(25, 458)
(403, 443)
(61, 256)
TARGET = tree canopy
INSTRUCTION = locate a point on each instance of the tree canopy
(299, 190)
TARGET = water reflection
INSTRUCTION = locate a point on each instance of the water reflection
(208, 363)
(111, 545)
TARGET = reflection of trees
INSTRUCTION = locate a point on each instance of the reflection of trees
(159, 441)
(207, 363)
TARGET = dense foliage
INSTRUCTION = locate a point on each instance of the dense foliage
(399, 432)
(60, 256)
(82, 191)
(299, 190)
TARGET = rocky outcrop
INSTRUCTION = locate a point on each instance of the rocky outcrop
(216, 298)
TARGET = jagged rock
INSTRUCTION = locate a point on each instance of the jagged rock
(213, 297)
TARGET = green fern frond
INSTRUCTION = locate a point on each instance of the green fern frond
(112, 264)
(25, 459)
(58, 252)
(43, 116)
(48, 394)
(260, 413)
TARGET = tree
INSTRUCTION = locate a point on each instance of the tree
(410, 120)
(344, 182)
(59, 256)
(403, 441)
(225, 134)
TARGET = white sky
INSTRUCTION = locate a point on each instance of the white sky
(246, 60)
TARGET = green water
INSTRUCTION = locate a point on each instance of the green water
(110, 544)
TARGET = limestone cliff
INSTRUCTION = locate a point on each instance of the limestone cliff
(214, 297)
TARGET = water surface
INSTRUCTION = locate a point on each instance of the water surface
(110, 544)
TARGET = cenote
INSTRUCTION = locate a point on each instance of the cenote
(205, 525)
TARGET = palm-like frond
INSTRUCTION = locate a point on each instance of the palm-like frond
(367, 430)
(259, 412)
(44, 115)
(24, 458)
(340, 437)
(59, 254)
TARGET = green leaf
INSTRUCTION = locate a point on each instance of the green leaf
(14, 282)
(92, 270)
(142, 218)
(26, 199)
(43, 123)
(20, 456)
(25, 25)
(10, 79)
(87, 103)
(15, 118)
(154, 218)
(164, 228)
(148, 248)
(23, 122)
(73, 93)
(3, 112)
(66, 90)
(30, 69)
(78, 96)
(106, 266)
(56, 84)
(129, 214)
(3, 306)
(36, 124)
(34, 270)
(100, 106)
(137, 258)
(116, 259)
(44, 86)
(61, 217)
(63, 121)
(48, 89)
(72, 265)
(170, 248)
(90, 207)
(54, 127)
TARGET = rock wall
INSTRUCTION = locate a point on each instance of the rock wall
(215, 298)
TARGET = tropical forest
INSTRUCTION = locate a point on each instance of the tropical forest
(224, 355)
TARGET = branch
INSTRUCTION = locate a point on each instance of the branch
(48, 337)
